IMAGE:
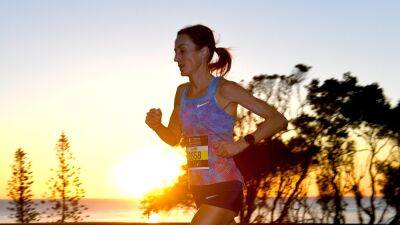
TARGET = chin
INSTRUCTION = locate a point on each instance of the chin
(183, 74)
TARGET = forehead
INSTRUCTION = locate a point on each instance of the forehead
(183, 40)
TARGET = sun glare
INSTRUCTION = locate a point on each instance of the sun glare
(148, 169)
(154, 218)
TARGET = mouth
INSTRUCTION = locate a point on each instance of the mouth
(181, 66)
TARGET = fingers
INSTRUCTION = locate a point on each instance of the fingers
(152, 121)
(154, 114)
(153, 118)
(155, 111)
(221, 149)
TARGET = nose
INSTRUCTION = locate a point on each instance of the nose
(176, 57)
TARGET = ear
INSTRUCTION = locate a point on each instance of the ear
(204, 52)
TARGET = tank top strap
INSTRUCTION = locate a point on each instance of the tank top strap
(210, 90)
(213, 86)
(184, 91)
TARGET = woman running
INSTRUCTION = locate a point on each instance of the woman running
(203, 120)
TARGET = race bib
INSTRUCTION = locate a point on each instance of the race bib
(197, 152)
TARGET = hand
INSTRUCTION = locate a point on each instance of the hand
(153, 118)
(229, 149)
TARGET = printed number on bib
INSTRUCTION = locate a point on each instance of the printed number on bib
(197, 152)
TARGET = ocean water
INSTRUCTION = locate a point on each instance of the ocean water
(108, 210)
(118, 210)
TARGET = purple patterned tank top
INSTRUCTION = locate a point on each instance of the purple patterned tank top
(203, 117)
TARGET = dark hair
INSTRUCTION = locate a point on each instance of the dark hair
(203, 36)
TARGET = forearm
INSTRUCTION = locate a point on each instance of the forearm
(167, 135)
(267, 128)
(270, 127)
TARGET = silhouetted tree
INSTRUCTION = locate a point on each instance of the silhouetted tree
(178, 195)
(275, 170)
(363, 111)
(329, 129)
(19, 190)
(391, 124)
(65, 186)
(263, 165)
(326, 123)
(391, 187)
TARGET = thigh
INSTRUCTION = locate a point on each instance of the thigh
(212, 215)
(227, 195)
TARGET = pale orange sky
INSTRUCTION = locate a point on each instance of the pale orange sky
(93, 70)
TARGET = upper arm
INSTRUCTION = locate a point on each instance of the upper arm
(233, 92)
(174, 122)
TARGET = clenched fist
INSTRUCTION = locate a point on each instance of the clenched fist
(153, 118)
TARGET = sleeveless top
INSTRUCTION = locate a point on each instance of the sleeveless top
(203, 116)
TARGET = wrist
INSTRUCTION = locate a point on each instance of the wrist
(242, 144)
(157, 127)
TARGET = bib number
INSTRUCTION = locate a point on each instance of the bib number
(197, 153)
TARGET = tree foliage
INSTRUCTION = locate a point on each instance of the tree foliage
(321, 139)
(65, 187)
(262, 164)
(19, 190)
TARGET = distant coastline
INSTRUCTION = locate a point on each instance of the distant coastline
(129, 223)
(127, 211)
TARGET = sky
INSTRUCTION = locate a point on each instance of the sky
(94, 68)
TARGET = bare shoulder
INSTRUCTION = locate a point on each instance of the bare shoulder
(230, 89)
(183, 85)
(180, 88)
(179, 91)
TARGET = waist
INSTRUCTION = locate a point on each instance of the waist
(219, 185)
(204, 139)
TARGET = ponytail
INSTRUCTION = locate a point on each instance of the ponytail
(223, 65)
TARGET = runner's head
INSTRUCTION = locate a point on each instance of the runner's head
(195, 46)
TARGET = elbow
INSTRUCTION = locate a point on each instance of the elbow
(282, 121)
(285, 124)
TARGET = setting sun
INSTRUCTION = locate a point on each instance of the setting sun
(148, 169)
(154, 218)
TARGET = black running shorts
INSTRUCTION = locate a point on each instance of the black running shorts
(228, 195)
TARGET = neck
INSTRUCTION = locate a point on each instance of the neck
(200, 79)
